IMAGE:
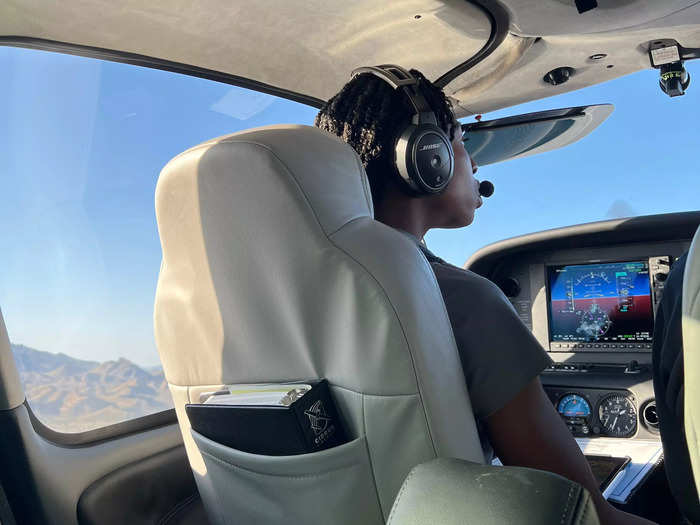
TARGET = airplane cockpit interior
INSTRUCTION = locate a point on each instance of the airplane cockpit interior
(227, 296)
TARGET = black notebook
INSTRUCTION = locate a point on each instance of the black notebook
(300, 421)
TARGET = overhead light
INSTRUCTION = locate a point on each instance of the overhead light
(559, 75)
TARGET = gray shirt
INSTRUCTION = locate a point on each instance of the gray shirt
(499, 354)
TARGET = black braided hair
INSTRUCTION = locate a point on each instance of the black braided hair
(369, 115)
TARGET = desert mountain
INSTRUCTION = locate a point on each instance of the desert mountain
(73, 395)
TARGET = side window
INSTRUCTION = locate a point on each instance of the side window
(81, 144)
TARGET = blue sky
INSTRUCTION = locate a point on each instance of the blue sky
(82, 143)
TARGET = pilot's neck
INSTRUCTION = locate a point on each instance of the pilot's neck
(404, 214)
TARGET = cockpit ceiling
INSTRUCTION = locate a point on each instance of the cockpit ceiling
(308, 47)
(303, 46)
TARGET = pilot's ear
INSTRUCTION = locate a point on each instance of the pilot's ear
(456, 129)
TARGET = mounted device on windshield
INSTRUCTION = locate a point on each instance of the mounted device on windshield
(668, 57)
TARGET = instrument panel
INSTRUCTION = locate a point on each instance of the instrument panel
(589, 295)
(590, 304)
(597, 412)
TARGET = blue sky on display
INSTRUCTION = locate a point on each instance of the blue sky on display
(82, 142)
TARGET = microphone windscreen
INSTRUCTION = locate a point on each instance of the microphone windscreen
(486, 188)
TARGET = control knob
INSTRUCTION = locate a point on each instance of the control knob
(509, 286)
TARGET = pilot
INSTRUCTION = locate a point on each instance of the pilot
(501, 358)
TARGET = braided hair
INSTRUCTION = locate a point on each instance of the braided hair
(370, 115)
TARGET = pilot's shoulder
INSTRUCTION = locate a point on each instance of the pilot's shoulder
(458, 280)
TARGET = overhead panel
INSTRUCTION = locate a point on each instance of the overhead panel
(538, 43)
(562, 17)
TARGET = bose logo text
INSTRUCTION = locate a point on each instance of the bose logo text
(429, 146)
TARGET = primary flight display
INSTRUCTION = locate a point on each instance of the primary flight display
(602, 303)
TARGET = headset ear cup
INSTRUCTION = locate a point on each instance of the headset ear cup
(425, 159)
(423, 153)
(405, 147)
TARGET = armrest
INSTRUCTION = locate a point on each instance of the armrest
(452, 491)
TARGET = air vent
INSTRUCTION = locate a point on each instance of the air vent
(651, 418)
(509, 286)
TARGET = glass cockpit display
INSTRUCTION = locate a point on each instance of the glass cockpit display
(605, 302)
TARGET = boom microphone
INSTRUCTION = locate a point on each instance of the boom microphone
(486, 188)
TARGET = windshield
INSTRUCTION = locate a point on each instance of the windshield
(640, 161)
(81, 144)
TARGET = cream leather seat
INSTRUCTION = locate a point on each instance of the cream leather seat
(275, 270)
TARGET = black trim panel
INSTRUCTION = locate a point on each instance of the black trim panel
(156, 63)
(6, 516)
(16, 474)
(102, 434)
(158, 489)
(500, 20)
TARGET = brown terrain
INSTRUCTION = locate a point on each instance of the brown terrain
(72, 395)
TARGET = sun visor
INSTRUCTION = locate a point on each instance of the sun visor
(498, 140)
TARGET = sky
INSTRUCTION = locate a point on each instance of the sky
(82, 142)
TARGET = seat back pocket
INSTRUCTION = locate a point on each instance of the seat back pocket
(331, 486)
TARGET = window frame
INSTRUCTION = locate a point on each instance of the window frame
(102, 434)
(135, 59)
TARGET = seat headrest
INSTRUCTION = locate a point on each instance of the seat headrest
(326, 170)
(252, 209)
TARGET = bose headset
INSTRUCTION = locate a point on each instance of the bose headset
(424, 157)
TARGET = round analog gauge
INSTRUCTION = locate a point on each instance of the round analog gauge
(618, 415)
(573, 405)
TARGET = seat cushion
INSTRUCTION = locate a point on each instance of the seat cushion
(455, 492)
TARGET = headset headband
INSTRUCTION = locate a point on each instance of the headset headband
(399, 78)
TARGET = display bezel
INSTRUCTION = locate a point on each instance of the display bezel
(581, 346)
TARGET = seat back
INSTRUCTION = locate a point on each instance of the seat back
(691, 354)
(274, 270)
